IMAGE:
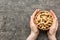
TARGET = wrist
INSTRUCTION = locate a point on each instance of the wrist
(52, 37)
(36, 33)
(32, 36)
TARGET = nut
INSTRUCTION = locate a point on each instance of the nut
(43, 20)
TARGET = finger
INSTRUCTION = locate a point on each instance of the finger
(56, 25)
(36, 11)
(32, 25)
(32, 17)
(31, 20)
(53, 14)
(54, 19)
(54, 30)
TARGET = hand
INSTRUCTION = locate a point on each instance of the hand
(53, 29)
(34, 29)
(32, 25)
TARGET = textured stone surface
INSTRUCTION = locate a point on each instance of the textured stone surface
(15, 16)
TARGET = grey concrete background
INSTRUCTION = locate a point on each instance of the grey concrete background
(15, 17)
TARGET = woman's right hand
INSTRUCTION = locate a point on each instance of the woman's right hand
(33, 27)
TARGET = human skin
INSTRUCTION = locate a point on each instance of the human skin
(53, 29)
(35, 31)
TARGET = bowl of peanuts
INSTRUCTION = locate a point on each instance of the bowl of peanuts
(43, 20)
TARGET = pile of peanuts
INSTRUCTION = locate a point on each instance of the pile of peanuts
(43, 20)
